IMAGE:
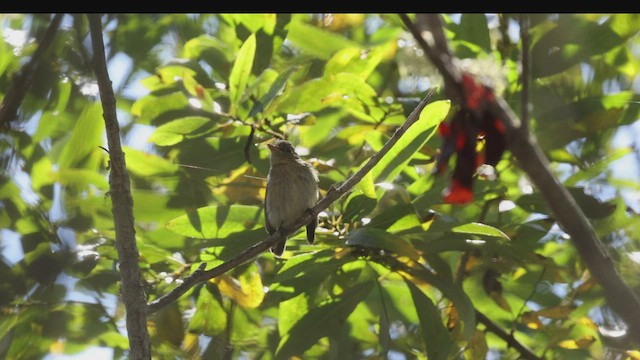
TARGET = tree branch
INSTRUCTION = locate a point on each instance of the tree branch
(525, 38)
(523, 146)
(334, 193)
(122, 206)
(525, 351)
(23, 79)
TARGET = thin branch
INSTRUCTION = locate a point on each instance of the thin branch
(23, 79)
(525, 352)
(524, 147)
(334, 193)
(122, 207)
(525, 39)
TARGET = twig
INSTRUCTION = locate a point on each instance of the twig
(122, 206)
(334, 193)
(23, 79)
(525, 39)
(524, 147)
(525, 352)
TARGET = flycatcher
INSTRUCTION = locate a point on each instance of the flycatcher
(292, 189)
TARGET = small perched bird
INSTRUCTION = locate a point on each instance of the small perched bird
(292, 189)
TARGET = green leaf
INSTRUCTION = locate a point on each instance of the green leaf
(597, 168)
(291, 311)
(354, 60)
(85, 138)
(223, 154)
(159, 108)
(321, 321)
(397, 294)
(358, 206)
(453, 292)
(416, 136)
(379, 239)
(145, 164)
(592, 207)
(434, 334)
(241, 71)
(480, 229)
(177, 130)
(194, 48)
(572, 41)
(254, 22)
(210, 319)
(79, 178)
(217, 222)
(339, 90)
(276, 87)
(305, 271)
(473, 29)
(315, 41)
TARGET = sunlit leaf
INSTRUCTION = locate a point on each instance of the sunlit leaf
(339, 90)
(480, 229)
(177, 130)
(291, 311)
(153, 109)
(145, 164)
(210, 318)
(531, 320)
(321, 321)
(474, 30)
(85, 138)
(265, 102)
(196, 46)
(247, 290)
(580, 343)
(80, 178)
(572, 41)
(355, 60)
(317, 42)
(241, 71)
(416, 136)
(633, 354)
(255, 22)
(217, 222)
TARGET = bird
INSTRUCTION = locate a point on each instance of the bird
(292, 190)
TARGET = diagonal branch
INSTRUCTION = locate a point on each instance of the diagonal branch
(525, 351)
(23, 79)
(334, 193)
(524, 147)
(133, 294)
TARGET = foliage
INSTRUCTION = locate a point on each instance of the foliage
(395, 271)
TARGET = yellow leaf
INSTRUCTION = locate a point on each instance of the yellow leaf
(633, 354)
(191, 344)
(577, 344)
(532, 321)
(247, 291)
(56, 347)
